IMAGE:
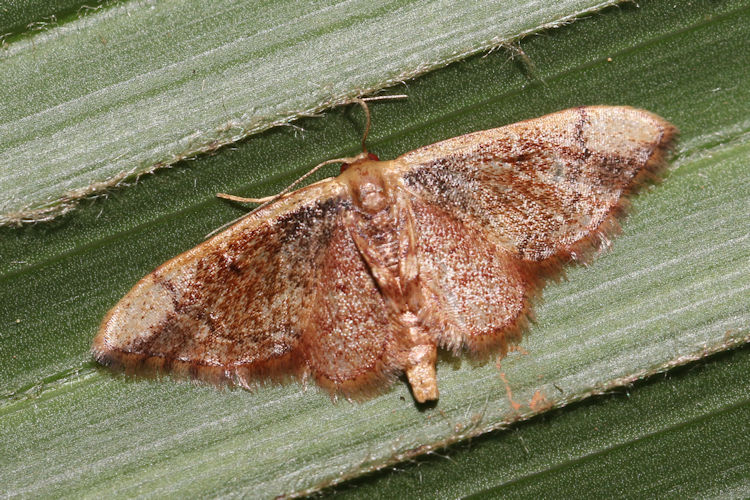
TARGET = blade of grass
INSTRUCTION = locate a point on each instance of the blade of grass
(681, 434)
(135, 86)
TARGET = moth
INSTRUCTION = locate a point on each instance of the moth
(356, 279)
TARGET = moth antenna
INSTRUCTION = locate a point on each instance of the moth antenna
(362, 101)
(267, 200)
(242, 199)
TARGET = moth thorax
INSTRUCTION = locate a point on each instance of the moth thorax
(369, 192)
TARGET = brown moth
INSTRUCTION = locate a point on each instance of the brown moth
(358, 278)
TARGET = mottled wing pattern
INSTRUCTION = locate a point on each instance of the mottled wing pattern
(353, 280)
(540, 186)
(353, 346)
(497, 209)
(271, 298)
(475, 294)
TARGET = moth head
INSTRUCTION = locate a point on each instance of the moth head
(360, 158)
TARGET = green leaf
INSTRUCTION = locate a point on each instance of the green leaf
(674, 287)
(680, 435)
(122, 90)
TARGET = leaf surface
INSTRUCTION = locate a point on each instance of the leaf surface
(673, 288)
(108, 93)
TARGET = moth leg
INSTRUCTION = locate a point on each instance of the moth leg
(422, 356)
(408, 261)
(376, 263)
